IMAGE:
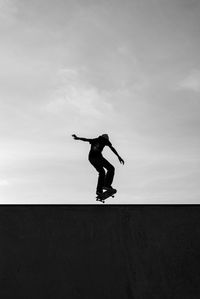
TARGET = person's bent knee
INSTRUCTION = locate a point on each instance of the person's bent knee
(113, 168)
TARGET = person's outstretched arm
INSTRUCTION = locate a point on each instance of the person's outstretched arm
(116, 153)
(80, 138)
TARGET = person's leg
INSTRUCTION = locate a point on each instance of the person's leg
(97, 163)
(110, 173)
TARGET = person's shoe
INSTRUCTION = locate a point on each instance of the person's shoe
(98, 193)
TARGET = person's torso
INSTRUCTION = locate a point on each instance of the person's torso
(97, 146)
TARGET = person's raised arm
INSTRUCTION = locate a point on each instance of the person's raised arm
(80, 138)
(116, 153)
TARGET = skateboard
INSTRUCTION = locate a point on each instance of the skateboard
(105, 195)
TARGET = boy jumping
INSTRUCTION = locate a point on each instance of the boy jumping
(99, 162)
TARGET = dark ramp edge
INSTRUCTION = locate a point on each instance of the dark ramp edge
(96, 252)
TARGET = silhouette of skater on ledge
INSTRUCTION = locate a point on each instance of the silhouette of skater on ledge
(96, 158)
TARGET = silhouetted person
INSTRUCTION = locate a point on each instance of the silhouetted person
(99, 162)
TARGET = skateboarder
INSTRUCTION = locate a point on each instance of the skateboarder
(99, 162)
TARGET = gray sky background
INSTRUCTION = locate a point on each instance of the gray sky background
(129, 68)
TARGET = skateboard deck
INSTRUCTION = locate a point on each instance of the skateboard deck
(105, 195)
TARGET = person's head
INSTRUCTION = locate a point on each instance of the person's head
(105, 136)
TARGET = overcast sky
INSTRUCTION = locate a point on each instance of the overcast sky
(128, 68)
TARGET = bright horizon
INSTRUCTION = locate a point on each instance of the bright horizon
(128, 68)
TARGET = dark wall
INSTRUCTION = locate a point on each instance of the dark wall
(97, 252)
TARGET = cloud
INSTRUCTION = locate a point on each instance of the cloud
(75, 94)
(191, 82)
(8, 10)
(4, 182)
